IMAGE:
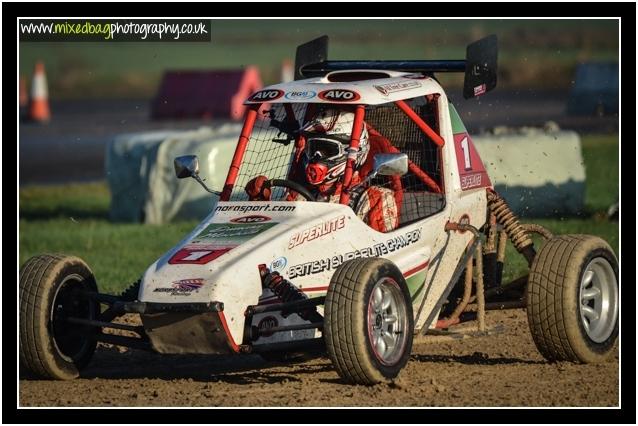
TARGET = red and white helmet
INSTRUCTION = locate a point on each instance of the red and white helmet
(328, 136)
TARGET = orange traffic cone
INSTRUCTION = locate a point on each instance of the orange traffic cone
(39, 102)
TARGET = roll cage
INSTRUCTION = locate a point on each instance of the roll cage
(299, 143)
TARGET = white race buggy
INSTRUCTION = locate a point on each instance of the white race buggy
(278, 277)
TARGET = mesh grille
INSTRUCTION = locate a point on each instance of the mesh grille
(271, 153)
(418, 199)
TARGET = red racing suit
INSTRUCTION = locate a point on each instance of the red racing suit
(379, 207)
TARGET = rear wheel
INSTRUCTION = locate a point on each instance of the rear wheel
(52, 289)
(573, 299)
(368, 321)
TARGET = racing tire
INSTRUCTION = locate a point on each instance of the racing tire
(52, 288)
(573, 299)
(369, 324)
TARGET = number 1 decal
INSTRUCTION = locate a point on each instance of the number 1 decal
(196, 255)
(472, 173)
(466, 153)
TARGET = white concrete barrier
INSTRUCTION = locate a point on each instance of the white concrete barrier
(540, 172)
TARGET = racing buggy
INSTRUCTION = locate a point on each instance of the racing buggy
(289, 271)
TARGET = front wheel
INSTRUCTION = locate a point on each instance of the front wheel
(53, 291)
(369, 324)
(573, 299)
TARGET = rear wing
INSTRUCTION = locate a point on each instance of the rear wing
(480, 64)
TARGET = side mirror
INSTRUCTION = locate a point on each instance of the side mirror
(385, 165)
(390, 164)
(186, 166)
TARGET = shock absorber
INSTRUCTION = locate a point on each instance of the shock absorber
(506, 217)
(287, 292)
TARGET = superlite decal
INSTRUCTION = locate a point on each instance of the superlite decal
(317, 231)
(376, 250)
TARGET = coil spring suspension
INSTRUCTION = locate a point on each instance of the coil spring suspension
(506, 217)
(287, 292)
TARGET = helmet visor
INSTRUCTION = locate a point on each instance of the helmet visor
(324, 148)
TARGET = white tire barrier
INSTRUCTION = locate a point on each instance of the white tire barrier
(141, 175)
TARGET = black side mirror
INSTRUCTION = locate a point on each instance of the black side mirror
(186, 166)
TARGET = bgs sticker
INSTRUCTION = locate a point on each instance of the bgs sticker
(266, 95)
(278, 264)
(339, 95)
(300, 95)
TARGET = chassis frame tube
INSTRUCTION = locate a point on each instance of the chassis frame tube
(285, 307)
(155, 308)
(310, 326)
(305, 345)
(103, 324)
(469, 252)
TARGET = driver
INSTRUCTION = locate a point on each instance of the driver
(323, 164)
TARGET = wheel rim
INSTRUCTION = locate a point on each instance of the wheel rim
(387, 321)
(598, 298)
(71, 340)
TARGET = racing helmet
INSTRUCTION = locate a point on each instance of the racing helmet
(327, 141)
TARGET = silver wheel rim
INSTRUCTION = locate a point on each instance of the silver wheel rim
(598, 300)
(387, 321)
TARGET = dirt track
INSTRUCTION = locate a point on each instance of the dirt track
(501, 370)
